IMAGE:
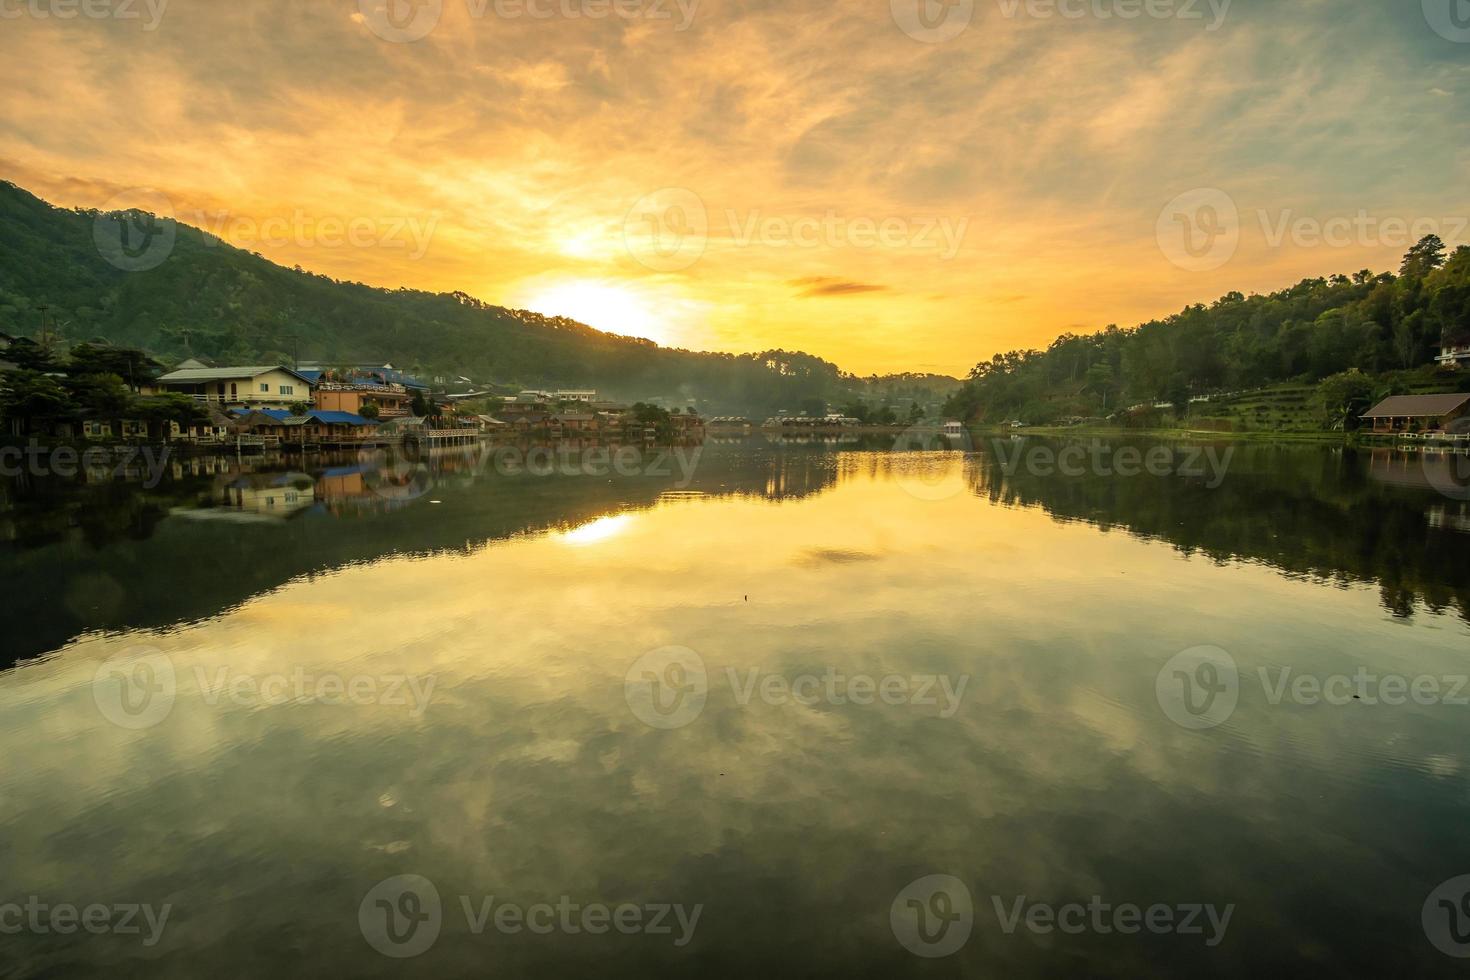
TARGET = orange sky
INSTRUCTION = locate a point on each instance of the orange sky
(740, 174)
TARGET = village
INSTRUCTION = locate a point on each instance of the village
(316, 406)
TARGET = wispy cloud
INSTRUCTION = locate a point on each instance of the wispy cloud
(830, 286)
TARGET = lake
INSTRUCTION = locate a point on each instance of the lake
(1112, 708)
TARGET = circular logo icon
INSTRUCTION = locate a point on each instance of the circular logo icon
(135, 231)
(396, 472)
(667, 230)
(1450, 19)
(401, 21)
(1448, 471)
(932, 21)
(1446, 917)
(666, 688)
(400, 917)
(933, 916)
(1198, 687)
(931, 477)
(1199, 230)
(136, 688)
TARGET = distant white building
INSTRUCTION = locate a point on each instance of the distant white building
(1454, 354)
(576, 396)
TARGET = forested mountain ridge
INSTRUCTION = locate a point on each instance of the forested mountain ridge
(1373, 323)
(208, 298)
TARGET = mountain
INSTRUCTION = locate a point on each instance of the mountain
(1376, 324)
(208, 298)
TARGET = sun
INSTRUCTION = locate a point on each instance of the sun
(607, 306)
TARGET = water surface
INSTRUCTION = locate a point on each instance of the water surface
(590, 688)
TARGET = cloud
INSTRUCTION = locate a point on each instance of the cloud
(830, 286)
(528, 143)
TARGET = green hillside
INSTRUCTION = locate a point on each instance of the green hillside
(1273, 350)
(210, 299)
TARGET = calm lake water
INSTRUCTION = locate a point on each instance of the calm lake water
(804, 709)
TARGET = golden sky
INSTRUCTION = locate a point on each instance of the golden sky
(746, 174)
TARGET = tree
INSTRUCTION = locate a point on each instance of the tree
(133, 366)
(1423, 258)
(26, 396)
(28, 355)
(651, 416)
(1178, 395)
(813, 407)
(171, 406)
(99, 395)
(1099, 380)
(1342, 398)
(916, 414)
(299, 409)
(368, 411)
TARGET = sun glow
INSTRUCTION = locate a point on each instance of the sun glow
(598, 530)
(604, 305)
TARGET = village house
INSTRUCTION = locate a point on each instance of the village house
(1417, 413)
(115, 429)
(275, 495)
(575, 422)
(388, 401)
(214, 428)
(313, 428)
(266, 386)
(527, 422)
(687, 425)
